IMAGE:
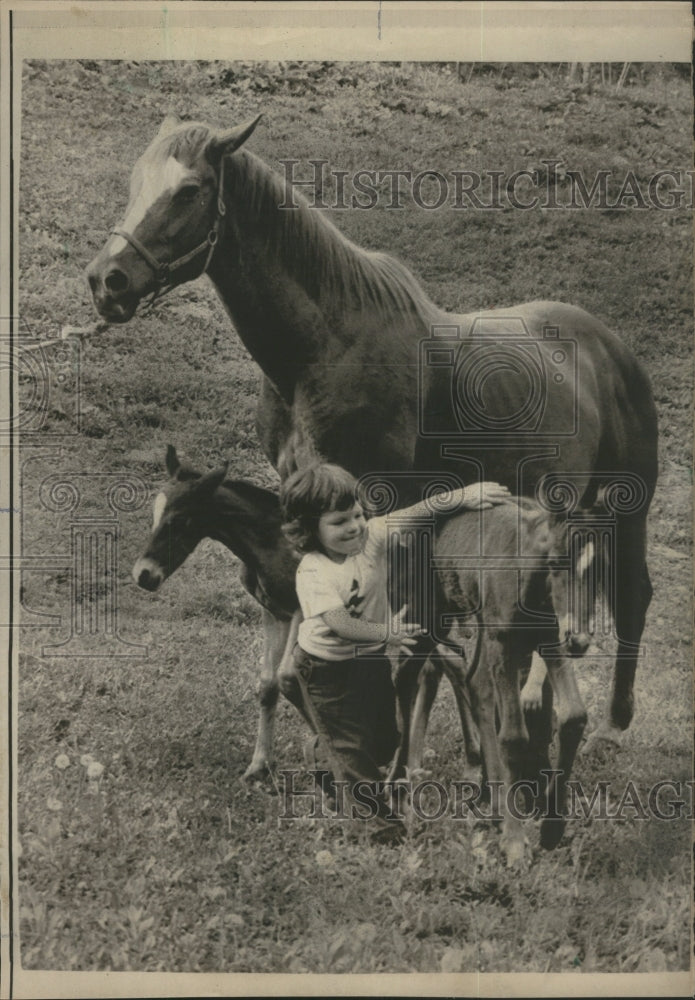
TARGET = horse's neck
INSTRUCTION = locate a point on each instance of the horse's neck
(251, 531)
(298, 291)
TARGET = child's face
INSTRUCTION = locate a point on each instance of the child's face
(342, 533)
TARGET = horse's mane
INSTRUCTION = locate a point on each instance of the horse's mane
(333, 269)
(258, 497)
(329, 265)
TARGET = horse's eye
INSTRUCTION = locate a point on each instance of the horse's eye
(188, 193)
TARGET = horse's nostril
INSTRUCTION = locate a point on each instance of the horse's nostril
(116, 281)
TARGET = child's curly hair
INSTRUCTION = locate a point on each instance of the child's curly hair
(309, 493)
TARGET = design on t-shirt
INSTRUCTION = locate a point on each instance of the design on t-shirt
(355, 602)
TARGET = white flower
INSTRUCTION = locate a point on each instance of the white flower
(324, 858)
(86, 759)
(95, 770)
(54, 804)
(62, 761)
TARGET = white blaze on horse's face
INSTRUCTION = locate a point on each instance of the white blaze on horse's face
(156, 181)
(159, 507)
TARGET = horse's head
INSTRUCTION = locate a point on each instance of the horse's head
(173, 220)
(181, 520)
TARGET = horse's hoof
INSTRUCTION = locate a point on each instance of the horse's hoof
(552, 830)
(622, 711)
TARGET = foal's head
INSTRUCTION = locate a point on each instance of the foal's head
(574, 558)
(173, 219)
(182, 518)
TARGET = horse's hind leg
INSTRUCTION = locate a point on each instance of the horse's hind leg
(629, 595)
(571, 716)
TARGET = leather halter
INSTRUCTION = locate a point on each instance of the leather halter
(163, 269)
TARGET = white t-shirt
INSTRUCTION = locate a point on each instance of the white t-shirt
(358, 584)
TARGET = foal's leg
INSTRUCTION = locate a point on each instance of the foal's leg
(287, 679)
(532, 691)
(405, 682)
(512, 739)
(539, 725)
(428, 680)
(275, 636)
(571, 717)
(454, 666)
(629, 594)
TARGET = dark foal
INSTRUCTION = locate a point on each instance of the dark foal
(245, 518)
(521, 580)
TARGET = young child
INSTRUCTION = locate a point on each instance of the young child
(347, 628)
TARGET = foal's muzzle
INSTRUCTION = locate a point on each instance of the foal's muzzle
(147, 574)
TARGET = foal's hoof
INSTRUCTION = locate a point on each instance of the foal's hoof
(474, 757)
(515, 852)
(256, 771)
(552, 829)
(605, 738)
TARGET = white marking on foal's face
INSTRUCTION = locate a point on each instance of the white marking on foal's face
(586, 558)
(155, 183)
(159, 507)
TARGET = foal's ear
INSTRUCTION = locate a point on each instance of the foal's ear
(227, 142)
(172, 461)
(209, 482)
(168, 125)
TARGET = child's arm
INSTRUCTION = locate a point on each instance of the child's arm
(477, 496)
(399, 636)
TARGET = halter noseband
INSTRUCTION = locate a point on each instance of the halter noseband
(163, 269)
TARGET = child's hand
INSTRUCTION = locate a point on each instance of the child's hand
(402, 634)
(480, 496)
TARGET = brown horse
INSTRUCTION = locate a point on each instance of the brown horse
(362, 369)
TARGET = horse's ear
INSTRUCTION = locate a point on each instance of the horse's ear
(172, 461)
(168, 125)
(209, 482)
(225, 143)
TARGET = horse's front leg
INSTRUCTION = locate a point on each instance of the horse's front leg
(275, 636)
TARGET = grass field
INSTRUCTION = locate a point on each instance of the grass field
(163, 858)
